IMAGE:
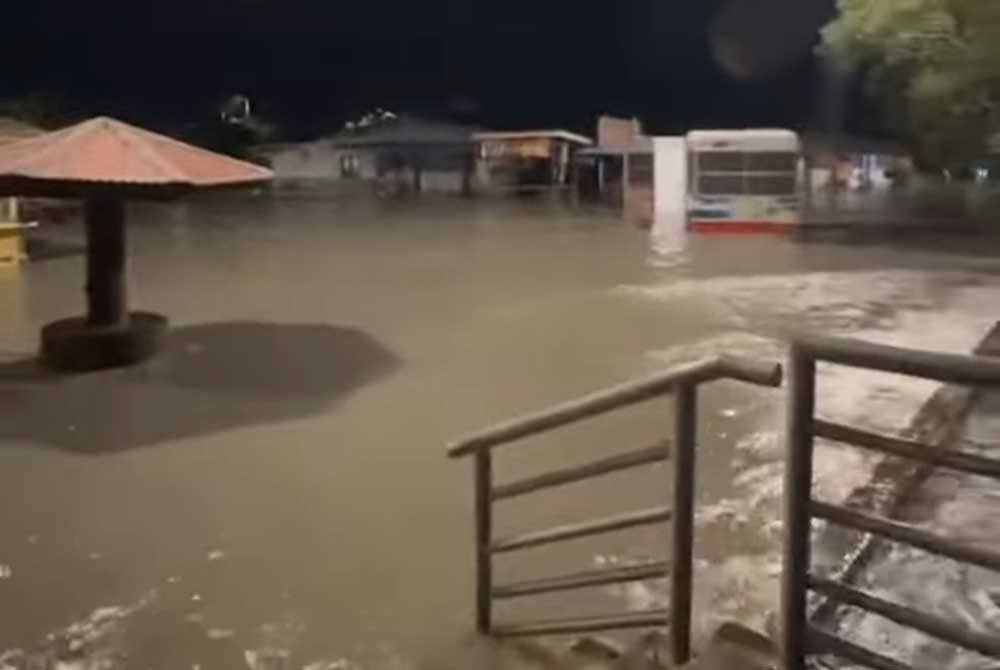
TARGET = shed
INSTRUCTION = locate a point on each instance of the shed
(527, 159)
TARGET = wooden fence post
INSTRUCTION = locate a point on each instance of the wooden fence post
(685, 433)
(484, 535)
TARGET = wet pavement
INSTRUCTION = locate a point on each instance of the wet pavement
(273, 490)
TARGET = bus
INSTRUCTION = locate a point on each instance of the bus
(743, 181)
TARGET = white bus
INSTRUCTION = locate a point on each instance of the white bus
(743, 181)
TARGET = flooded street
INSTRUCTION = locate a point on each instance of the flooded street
(276, 483)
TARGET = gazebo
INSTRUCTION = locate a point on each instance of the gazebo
(105, 162)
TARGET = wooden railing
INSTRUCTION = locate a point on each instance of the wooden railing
(800, 639)
(683, 383)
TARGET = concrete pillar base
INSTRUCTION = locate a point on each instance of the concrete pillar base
(73, 345)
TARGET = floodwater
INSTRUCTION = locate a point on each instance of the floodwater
(273, 490)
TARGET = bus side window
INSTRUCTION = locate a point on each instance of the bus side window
(716, 184)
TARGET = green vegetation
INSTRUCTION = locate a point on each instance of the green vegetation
(37, 109)
(934, 66)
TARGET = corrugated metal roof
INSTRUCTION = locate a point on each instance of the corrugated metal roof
(405, 130)
(104, 152)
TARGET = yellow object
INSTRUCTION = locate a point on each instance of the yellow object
(11, 233)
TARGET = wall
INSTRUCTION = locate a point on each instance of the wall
(670, 175)
(316, 161)
(640, 169)
(615, 132)
(313, 160)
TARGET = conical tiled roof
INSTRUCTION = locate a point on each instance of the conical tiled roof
(103, 152)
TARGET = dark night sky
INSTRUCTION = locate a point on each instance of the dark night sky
(675, 63)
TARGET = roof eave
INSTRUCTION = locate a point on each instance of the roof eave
(56, 188)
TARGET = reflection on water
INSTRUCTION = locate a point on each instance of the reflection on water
(292, 506)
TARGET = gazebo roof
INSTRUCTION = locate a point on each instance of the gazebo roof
(105, 155)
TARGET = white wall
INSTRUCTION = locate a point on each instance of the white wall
(320, 160)
(670, 175)
(313, 160)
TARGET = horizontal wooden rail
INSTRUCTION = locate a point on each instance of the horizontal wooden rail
(960, 636)
(683, 382)
(824, 643)
(645, 619)
(763, 374)
(749, 370)
(615, 575)
(594, 527)
(632, 459)
(952, 368)
(955, 460)
(908, 535)
(799, 639)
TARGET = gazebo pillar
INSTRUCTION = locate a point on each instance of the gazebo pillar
(106, 297)
(104, 162)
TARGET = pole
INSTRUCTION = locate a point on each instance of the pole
(106, 299)
(484, 534)
(798, 493)
(685, 432)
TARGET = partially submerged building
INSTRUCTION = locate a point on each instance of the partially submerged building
(412, 154)
(527, 160)
(400, 154)
(639, 174)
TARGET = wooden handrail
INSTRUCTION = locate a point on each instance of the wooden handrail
(599, 526)
(594, 404)
(683, 382)
(942, 367)
(799, 638)
(644, 619)
(954, 460)
(898, 532)
(956, 634)
(825, 643)
(600, 577)
(576, 473)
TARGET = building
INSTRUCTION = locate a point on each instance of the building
(640, 175)
(601, 169)
(527, 160)
(395, 154)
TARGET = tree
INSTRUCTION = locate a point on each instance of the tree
(40, 109)
(934, 63)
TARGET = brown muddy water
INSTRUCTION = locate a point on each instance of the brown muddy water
(275, 485)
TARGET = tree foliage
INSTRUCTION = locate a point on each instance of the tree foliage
(936, 63)
(36, 108)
